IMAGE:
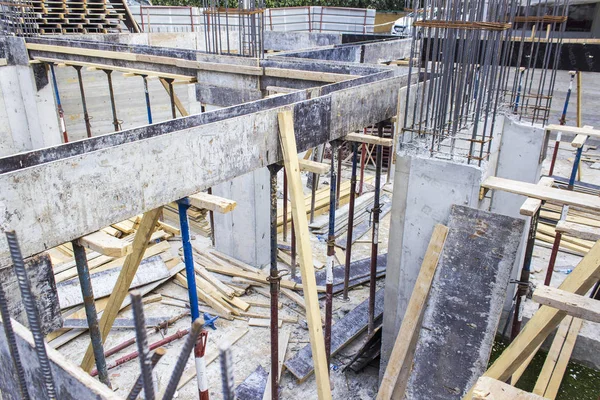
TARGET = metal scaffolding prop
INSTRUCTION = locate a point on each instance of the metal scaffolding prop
(474, 58)
(223, 23)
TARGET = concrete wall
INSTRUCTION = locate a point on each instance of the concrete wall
(521, 152)
(28, 118)
(424, 190)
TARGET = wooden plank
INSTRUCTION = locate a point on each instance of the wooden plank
(481, 248)
(283, 340)
(402, 352)
(553, 354)
(106, 244)
(43, 288)
(70, 382)
(530, 206)
(151, 269)
(253, 276)
(262, 323)
(546, 319)
(578, 230)
(311, 299)
(343, 332)
(573, 129)
(368, 139)
(575, 305)
(559, 196)
(178, 103)
(316, 76)
(212, 203)
(313, 166)
(563, 359)
(208, 299)
(579, 141)
(491, 389)
(213, 280)
(132, 262)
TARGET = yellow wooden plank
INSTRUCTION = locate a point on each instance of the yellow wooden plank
(402, 352)
(311, 298)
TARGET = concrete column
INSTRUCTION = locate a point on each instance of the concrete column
(424, 190)
(244, 232)
(522, 149)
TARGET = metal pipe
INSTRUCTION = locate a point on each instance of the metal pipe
(182, 360)
(363, 159)
(32, 313)
(555, 248)
(183, 205)
(274, 281)
(87, 292)
(142, 344)
(211, 217)
(171, 97)
(86, 116)
(12, 344)
(112, 99)
(201, 365)
(523, 284)
(137, 386)
(330, 252)
(375, 228)
(147, 96)
(350, 220)
(575, 167)
(555, 153)
(293, 251)
(285, 206)
(339, 176)
(61, 113)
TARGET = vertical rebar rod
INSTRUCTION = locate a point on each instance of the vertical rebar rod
(138, 385)
(330, 252)
(182, 360)
(274, 281)
(12, 344)
(183, 206)
(375, 229)
(350, 219)
(211, 217)
(142, 344)
(111, 93)
(86, 116)
(523, 284)
(33, 317)
(87, 292)
(227, 373)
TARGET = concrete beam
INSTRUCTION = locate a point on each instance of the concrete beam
(58, 194)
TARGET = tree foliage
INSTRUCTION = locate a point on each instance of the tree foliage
(376, 4)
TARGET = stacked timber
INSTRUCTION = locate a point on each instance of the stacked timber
(197, 217)
(74, 16)
(549, 217)
(321, 202)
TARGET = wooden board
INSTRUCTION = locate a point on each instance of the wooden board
(578, 230)
(573, 129)
(212, 203)
(368, 139)
(41, 277)
(343, 332)
(121, 289)
(558, 196)
(284, 338)
(151, 269)
(479, 253)
(531, 206)
(552, 357)
(579, 141)
(313, 166)
(545, 320)
(71, 383)
(491, 389)
(106, 244)
(402, 352)
(311, 299)
(575, 305)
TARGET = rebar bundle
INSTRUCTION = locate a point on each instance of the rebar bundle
(222, 20)
(18, 18)
(466, 53)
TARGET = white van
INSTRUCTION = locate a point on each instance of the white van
(403, 26)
